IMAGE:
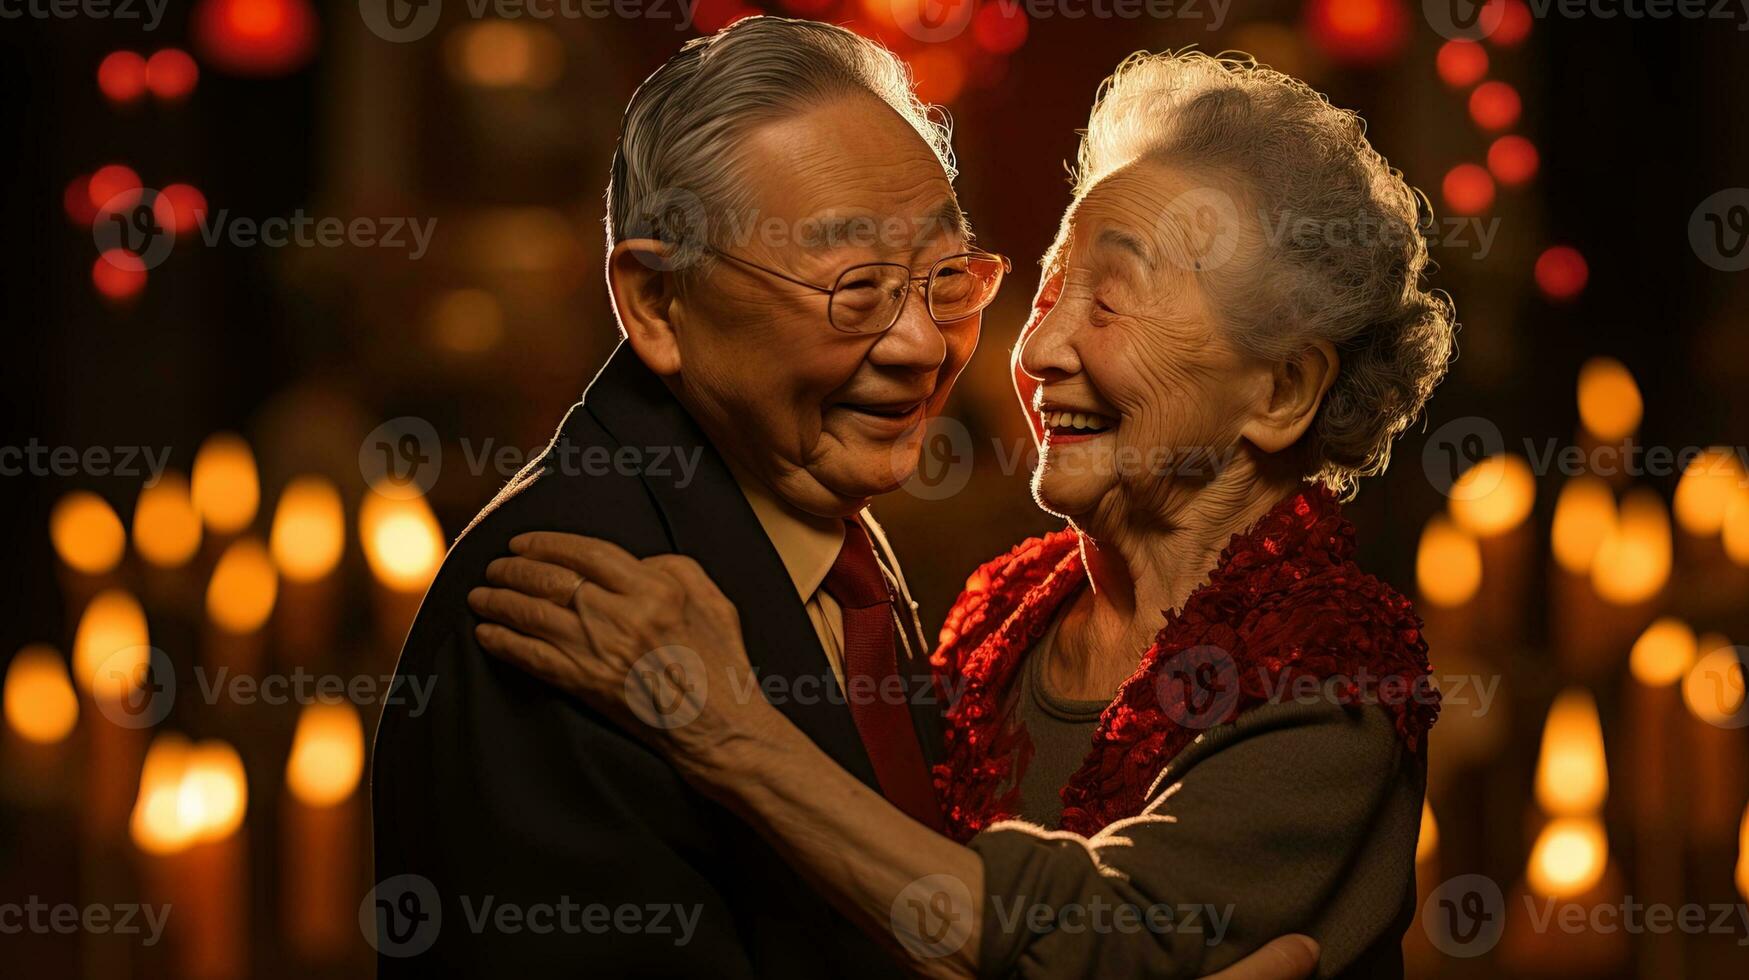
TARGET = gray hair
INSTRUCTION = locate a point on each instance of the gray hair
(675, 166)
(1344, 248)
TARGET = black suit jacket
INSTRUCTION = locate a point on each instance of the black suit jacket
(506, 794)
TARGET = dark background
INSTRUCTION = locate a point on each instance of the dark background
(304, 350)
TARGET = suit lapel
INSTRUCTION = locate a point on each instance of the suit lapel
(709, 519)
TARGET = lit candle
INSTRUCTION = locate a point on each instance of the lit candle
(322, 811)
(112, 662)
(167, 533)
(225, 488)
(403, 545)
(187, 824)
(1569, 865)
(1585, 514)
(1448, 573)
(41, 710)
(1714, 694)
(307, 540)
(1660, 658)
(90, 541)
(239, 600)
(1492, 501)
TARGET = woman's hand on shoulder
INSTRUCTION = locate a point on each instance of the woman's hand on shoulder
(651, 642)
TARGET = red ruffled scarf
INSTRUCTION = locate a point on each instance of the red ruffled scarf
(1285, 605)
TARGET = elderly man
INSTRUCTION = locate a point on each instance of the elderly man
(797, 291)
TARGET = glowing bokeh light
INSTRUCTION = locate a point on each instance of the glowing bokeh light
(1633, 561)
(1513, 160)
(1609, 399)
(121, 76)
(87, 534)
(1448, 564)
(118, 275)
(1561, 272)
(1494, 496)
(225, 487)
(243, 589)
(166, 525)
(1709, 483)
(111, 646)
(1495, 105)
(1468, 189)
(1461, 63)
(1585, 514)
(309, 529)
(327, 755)
(402, 541)
(39, 701)
(1568, 858)
(1358, 31)
(1663, 653)
(171, 74)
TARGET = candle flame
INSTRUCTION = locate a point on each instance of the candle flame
(86, 533)
(1663, 653)
(402, 540)
(1427, 845)
(1494, 496)
(188, 794)
(166, 525)
(1714, 688)
(1708, 484)
(327, 755)
(226, 489)
(309, 529)
(1743, 857)
(244, 586)
(1609, 399)
(1568, 858)
(1633, 561)
(1572, 777)
(1584, 516)
(1448, 565)
(40, 703)
(1736, 527)
(111, 647)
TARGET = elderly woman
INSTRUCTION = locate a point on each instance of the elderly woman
(1187, 722)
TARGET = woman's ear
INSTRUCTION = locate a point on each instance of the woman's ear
(642, 283)
(1297, 388)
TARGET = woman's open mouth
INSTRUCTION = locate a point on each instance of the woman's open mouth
(1063, 426)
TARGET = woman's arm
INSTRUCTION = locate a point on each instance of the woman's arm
(655, 641)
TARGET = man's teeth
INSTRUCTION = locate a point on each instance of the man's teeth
(1075, 420)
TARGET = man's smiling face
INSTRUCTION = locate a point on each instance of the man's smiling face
(826, 418)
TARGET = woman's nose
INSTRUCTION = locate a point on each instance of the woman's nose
(1047, 350)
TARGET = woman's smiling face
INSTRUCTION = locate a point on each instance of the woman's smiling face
(1139, 387)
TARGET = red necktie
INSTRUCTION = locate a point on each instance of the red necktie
(883, 720)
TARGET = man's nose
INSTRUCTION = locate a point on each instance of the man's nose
(915, 341)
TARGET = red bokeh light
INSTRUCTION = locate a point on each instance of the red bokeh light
(714, 15)
(1462, 63)
(1513, 26)
(1000, 28)
(77, 200)
(808, 8)
(179, 208)
(1358, 31)
(255, 37)
(171, 74)
(113, 188)
(939, 73)
(121, 76)
(118, 274)
(1468, 189)
(1513, 160)
(1495, 105)
(1561, 272)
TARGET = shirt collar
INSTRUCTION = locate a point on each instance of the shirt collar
(807, 544)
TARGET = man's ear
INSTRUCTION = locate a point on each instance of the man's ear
(642, 284)
(1297, 387)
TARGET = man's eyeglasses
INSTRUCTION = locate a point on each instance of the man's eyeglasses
(869, 298)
